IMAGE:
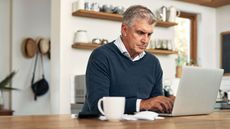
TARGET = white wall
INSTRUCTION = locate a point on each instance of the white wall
(4, 37)
(55, 56)
(74, 61)
(30, 18)
(5, 43)
(222, 25)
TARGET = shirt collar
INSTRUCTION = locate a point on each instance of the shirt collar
(120, 45)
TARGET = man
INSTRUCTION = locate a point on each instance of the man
(123, 68)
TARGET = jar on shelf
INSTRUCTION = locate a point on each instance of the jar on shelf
(81, 36)
(77, 5)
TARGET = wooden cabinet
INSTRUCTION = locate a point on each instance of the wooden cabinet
(6, 112)
(91, 46)
(115, 17)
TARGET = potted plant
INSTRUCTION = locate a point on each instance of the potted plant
(180, 61)
(4, 87)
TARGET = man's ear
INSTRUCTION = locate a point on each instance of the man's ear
(124, 30)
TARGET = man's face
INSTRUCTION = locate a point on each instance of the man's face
(136, 37)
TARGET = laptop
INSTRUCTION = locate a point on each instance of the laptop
(197, 91)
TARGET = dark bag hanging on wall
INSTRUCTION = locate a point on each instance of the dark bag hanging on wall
(41, 86)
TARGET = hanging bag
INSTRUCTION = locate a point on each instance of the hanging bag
(41, 86)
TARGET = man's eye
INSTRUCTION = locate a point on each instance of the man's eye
(140, 32)
(143, 33)
(149, 34)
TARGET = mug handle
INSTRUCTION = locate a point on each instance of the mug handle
(99, 106)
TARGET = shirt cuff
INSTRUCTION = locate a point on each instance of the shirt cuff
(138, 103)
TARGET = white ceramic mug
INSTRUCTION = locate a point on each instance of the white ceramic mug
(113, 107)
(163, 11)
(172, 14)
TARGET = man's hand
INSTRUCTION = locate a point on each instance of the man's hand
(159, 104)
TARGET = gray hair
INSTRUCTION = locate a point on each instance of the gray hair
(138, 12)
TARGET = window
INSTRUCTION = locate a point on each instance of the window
(186, 38)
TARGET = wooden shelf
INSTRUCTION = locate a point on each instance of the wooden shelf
(113, 17)
(91, 46)
(161, 52)
(99, 15)
(210, 3)
(166, 24)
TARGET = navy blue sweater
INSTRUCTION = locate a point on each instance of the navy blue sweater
(110, 73)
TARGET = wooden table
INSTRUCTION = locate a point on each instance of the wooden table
(216, 120)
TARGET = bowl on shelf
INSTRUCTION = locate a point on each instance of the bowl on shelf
(96, 41)
(81, 36)
(107, 8)
(118, 10)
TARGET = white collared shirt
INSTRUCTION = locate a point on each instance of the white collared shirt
(118, 42)
(120, 45)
